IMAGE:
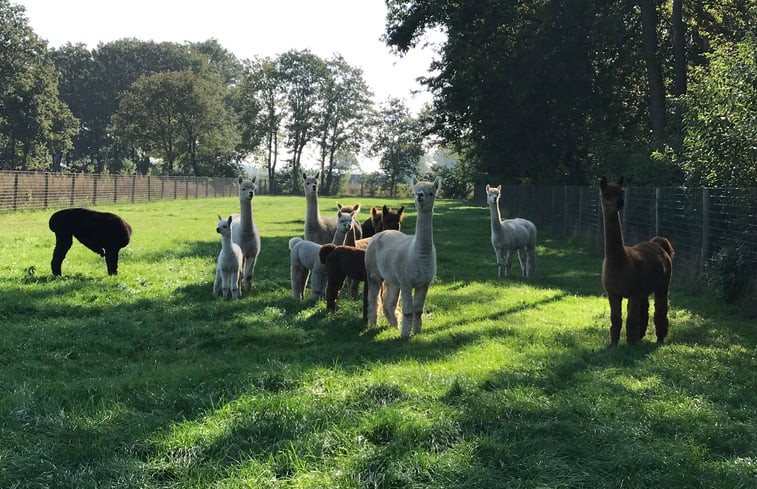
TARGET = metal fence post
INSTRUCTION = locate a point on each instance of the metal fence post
(47, 189)
(15, 191)
(704, 252)
(73, 189)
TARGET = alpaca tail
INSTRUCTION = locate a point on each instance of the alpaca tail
(294, 241)
(325, 251)
(665, 245)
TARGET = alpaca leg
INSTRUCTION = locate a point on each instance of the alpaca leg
(354, 288)
(616, 318)
(111, 261)
(299, 278)
(234, 284)
(508, 262)
(225, 285)
(407, 311)
(317, 281)
(632, 320)
(531, 259)
(643, 316)
(62, 245)
(500, 262)
(335, 282)
(374, 290)
(523, 260)
(390, 297)
(247, 264)
(217, 282)
(365, 301)
(661, 314)
(419, 299)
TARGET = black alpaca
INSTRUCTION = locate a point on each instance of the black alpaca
(102, 232)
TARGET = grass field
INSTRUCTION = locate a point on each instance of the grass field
(144, 380)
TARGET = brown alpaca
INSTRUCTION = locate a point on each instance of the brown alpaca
(633, 272)
(383, 219)
(342, 262)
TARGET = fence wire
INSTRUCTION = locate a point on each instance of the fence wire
(698, 221)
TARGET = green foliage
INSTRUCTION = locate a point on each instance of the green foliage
(728, 274)
(144, 380)
(719, 122)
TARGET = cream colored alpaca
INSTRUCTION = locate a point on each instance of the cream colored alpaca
(243, 230)
(319, 229)
(229, 267)
(405, 264)
(510, 235)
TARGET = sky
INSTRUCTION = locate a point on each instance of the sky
(249, 28)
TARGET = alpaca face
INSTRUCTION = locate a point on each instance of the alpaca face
(391, 219)
(224, 226)
(492, 194)
(611, 195)
(425, 193)
(246, 188)
(376, 220)
(310, 184)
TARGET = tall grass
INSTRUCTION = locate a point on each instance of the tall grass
(144, 380)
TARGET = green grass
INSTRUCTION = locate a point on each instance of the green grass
(145, 380)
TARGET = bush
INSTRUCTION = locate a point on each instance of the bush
(728, 274)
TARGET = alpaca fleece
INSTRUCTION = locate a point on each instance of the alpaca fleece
(102, 232)
(342, 262)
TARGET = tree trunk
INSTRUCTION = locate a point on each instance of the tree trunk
(654, 73)
(679, 49)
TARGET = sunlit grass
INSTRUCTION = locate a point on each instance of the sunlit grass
(145, 380)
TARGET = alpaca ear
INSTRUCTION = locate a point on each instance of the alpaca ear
(356, 208)
(304, 177)
(413, 180)
(254, 179)
(229, 221)
(399, 212)
(373, 212)
(620, 181)
(339, 206)
(487, 187)
(603, 182)
(316, 174)
(385, 209)
(240, 179)
(437, 183)
(219, 217)
(499, 188)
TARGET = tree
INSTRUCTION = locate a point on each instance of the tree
(303, 74)
(654, 70)
(180, 118)
(34, 123)
(398, 142)
(260, 106)
(344, 112)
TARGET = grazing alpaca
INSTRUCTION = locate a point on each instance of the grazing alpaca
(404, 264)
(633, 272)
(230, 262)
(243, 230)
(376, 223)
(102, 232)
(511, 235)
(320, 229)
(342, 262)
(304, 257)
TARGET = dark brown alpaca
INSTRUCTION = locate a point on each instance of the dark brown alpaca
(383, 219)
(342, 262)
(633, 272)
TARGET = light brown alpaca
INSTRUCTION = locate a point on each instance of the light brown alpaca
(633, 272)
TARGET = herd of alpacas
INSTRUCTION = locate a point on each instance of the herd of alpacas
(390, 263)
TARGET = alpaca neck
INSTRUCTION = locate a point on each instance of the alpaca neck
(613, 235)
(424, 233)
(339, 236)
(226, 242)
(312, 214)
(495, 218)
(245, 215)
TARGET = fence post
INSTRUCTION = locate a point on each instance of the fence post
(73, 189)
(115, 188)
(704, 253)
(15, 192)
(657, 198)
(175, 185)
(149, 196)
(47, 188)
(133, 186)
(94, 189)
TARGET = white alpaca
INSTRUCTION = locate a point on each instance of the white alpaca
(243, 230)
(511, 235)
(229, 268)
(404, 264)
(304, 257)
(320, 229)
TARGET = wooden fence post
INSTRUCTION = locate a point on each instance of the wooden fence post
(94, 189)
(15, 191)
(73, 189)
(47, 188)
(115, 188)
(133, 186)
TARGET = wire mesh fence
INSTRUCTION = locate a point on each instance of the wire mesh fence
(698, 221)
(35, 190)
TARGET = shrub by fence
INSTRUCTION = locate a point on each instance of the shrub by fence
(702, 223)
(33, 191)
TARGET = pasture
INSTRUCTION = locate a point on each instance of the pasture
(145, 380)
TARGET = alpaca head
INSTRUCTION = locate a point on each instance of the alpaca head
(310, 184)
(246, 188)
(345, 215)
(611, 195)
(391, 219)
(224, 226)
(376, 222)
(425, 193)
(492, 194)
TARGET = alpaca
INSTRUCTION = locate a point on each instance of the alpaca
(511, 235)
(404, 263)
(304, 257)
(375, 223)
(382, 220)
(244, 232)
(230, 268)
(320, 229)
(102, 232)
(633, 272)
(342, 262)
